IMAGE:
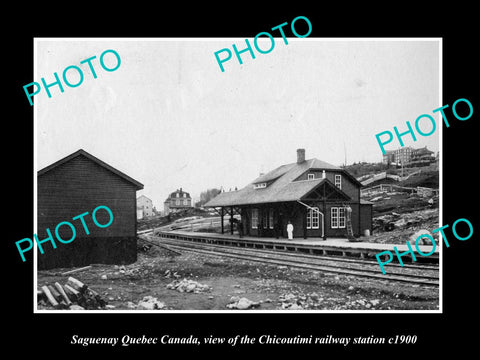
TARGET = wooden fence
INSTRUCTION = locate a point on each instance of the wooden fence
(423, 191)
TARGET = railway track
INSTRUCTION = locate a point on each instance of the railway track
(413, 274)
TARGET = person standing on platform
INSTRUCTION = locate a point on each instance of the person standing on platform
(276, 229)
(240, 228)
(290, 230)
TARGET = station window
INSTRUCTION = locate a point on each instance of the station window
(338, 181)
(260, 185)
(341, 217)
(313, 218)
(337, 216)
(310, 176)
(265, 219)
(254, 218)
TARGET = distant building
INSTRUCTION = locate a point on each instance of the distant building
(177, 200)
(403, 155)
(423, 154)
(144, 207)
(409, 156)
(388, 157)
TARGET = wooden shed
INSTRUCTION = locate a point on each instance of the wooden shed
(77, 184)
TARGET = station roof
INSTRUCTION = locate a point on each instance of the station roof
(283, 187)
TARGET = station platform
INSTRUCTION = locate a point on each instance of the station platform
(330, 246)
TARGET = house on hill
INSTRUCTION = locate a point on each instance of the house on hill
(176, 201)
(76, 184)
(313, 195)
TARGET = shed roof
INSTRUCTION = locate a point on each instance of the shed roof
(283, 189)
(82, 152)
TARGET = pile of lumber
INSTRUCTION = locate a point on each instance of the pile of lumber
(73, 295)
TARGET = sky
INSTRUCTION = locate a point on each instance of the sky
(169, 117)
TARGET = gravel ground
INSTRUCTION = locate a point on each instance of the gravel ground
(215, 283)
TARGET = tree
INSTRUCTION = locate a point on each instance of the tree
(206, 196)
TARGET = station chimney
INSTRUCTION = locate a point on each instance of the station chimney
(300, 156)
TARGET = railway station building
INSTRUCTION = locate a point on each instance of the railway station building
(319, 199)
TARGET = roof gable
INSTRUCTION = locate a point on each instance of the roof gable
(326, 190)
(82, 152)
(322, 165)
(144, 197)
(274, 174)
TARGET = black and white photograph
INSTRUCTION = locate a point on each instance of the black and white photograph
(289, 182)
(221, 197)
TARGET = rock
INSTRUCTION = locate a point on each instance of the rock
(242, 303)
(375, 302)
(76, 307)
(110, 306)
(422, 241)
(131, 305)
(103, 277)
(188, 286)
(150, 303)
(295, 307)
(389, 226)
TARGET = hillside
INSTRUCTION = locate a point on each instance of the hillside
(378, 173)
(158, 221)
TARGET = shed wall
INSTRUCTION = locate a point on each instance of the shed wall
(73, 188)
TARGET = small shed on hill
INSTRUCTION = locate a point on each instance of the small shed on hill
(76, 184)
